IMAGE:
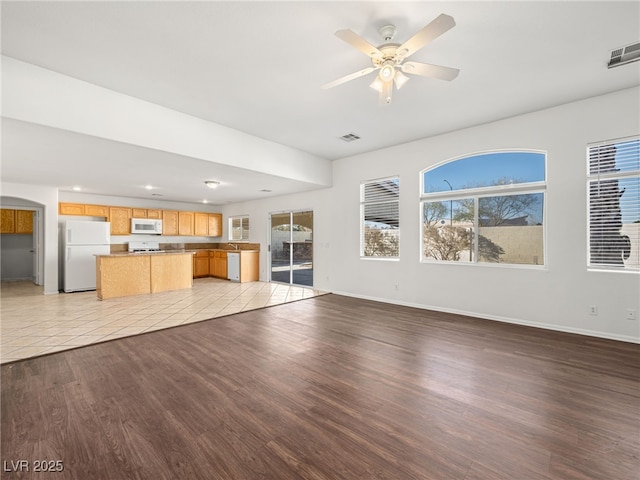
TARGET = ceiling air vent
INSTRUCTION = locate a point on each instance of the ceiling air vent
(349, 137)
(624, 55)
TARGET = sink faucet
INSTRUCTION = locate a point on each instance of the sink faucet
(234, 245)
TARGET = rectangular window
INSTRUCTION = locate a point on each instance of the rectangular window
(239, 228)
(614, 204)
(380, 218)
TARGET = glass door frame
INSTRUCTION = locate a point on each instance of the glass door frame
(270, 249)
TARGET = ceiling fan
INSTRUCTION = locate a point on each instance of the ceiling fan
(389, 57)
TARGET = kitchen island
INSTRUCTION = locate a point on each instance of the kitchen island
(125, 274)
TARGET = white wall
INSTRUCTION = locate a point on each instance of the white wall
(41, 96)
(556, 297)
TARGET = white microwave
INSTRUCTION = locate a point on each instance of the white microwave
(148, 226)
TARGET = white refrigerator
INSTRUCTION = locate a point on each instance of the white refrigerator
(82, 241)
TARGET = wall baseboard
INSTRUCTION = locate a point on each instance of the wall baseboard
(545, 326)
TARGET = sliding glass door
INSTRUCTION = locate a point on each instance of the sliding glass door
(291, 247)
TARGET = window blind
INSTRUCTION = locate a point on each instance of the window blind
(380, 212)
(614, 204)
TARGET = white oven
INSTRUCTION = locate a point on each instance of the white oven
(146, 225)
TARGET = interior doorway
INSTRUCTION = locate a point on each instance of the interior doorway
(291, 247)
(22, 249)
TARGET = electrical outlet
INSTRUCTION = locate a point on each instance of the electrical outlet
(593, 310)
(631, 314)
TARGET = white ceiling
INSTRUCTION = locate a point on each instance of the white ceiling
(258, 66)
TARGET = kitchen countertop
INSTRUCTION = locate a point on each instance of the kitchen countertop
(137, 254)
(229, 250)
(173, 252)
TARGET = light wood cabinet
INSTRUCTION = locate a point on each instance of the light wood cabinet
(7, 221)
(153, 213)
(65, 208)
(169, 222)
(200, 224)
(71, 208)
(16, 221)
(218, 263)
(215, 225)
(174, 222)
(96, 210)
(120, 218)
(249, 266)
(24, 221)
(125, 275)
(185, 223)
(201, 264)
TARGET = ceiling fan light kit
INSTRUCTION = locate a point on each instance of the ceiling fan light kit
(388, 58)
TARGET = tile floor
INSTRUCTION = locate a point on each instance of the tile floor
(32, 324)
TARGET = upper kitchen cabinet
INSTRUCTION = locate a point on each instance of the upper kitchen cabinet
(139, 212)
(65, 208)
(207, 224)
(120, 218)
(215, 225)
(7, 221)
(200, 224)
(185, 223)
(96, 210)
(24, 221)
(16, 221)
(169, 222)
(71, 208)
(153, 213)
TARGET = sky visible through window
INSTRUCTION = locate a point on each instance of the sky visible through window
(486, 170)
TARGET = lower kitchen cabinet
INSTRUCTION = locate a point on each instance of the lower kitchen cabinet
(218, 263)
(215, 263)
(201, 264)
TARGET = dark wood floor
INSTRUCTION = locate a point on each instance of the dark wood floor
(329, 388)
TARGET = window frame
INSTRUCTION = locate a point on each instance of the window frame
(363, 185)
(476, 193)
(242, 219)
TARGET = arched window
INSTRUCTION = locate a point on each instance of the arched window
(485, 208)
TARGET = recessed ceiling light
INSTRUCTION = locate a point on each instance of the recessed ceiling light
(211, 183)
(77, 188)
(205, 201)
(149, 187)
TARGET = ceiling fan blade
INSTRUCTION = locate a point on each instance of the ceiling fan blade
(346, 78)
(430, 32)
(428, 70)
(360, 43)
